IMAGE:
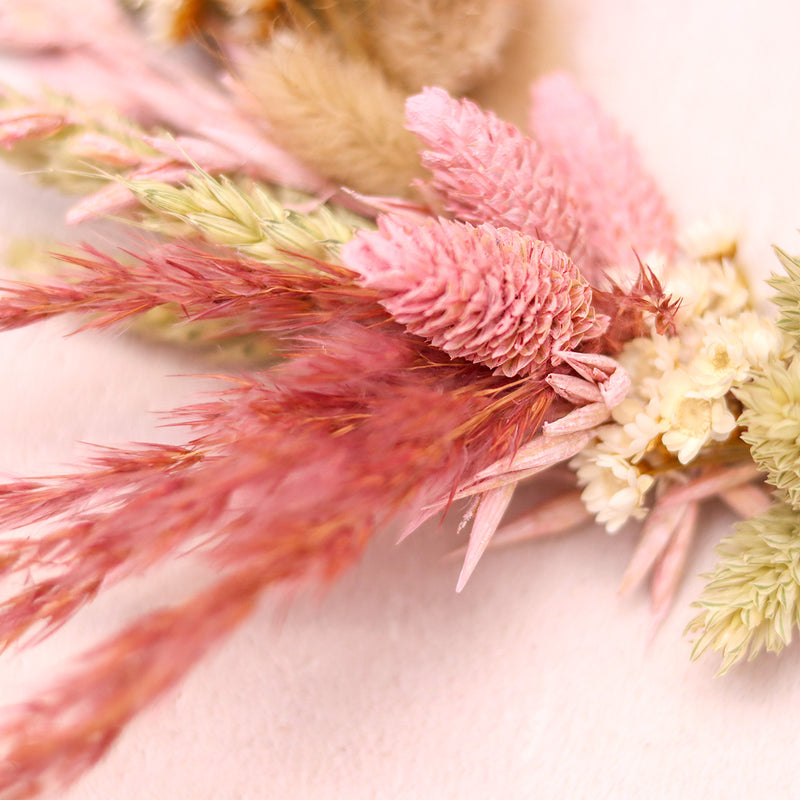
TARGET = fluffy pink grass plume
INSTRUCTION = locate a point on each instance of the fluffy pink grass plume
(629, 307)
(491, 295)
(251, 296)
(364, 414)
(29, 123)
(486, 170)
(620, 205)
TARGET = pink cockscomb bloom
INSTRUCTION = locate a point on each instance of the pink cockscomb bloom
(486, 170)
(490, 295)
(620, 206)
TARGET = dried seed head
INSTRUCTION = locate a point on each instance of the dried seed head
(491, 295)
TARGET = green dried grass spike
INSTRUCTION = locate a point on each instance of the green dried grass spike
(787, 297)
(249, 217)
(771, 423)
(62, 159)
(751, 600)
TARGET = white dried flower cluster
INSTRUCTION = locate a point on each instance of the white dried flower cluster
(680, 399)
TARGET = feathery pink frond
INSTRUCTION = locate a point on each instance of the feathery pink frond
(486, 170)
(491, 295)
(29, 123)
(252, 296)
(620, 205)
(355, 416)
(51, 740)
(629, 309)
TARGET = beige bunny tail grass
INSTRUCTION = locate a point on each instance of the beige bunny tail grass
(439, 42)
(338, 114)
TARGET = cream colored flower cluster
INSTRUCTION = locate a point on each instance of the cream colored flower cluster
(680, 401)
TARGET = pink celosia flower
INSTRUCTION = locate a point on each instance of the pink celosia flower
(490, 295)
(485, 170)
(620, 206)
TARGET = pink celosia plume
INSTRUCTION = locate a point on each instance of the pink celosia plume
(486, 170)
(251, 296)
(363, 414)
(491, 295)
(620, 205)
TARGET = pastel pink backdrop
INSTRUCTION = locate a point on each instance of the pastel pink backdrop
(538, 681)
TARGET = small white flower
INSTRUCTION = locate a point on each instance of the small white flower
(712, 238)
(641, 425)
(614, 488)
(760, 338)
(692, 419)
(720, 362)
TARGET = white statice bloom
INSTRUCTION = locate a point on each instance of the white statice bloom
(640, 426)
(730, 291)
(711, 238)
(760, 337)
(721, 360)
(716, 287)
(692, 418)
(614, 488)
(646, 359)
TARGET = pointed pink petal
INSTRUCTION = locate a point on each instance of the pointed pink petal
(559, 515)
(670, 566)
(580, 419)
(541, 453)
(661, 524)
(487, 518)
(574, 389)
(747, 500)
(620, 205)
(711, 483)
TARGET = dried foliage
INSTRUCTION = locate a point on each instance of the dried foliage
(250, 218)
(251, 297)
(751, 601)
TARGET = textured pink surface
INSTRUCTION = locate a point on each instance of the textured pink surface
(537, 681)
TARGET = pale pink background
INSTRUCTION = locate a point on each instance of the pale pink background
(537, 681)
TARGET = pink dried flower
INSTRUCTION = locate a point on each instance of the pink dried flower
(486, 170)
(490, 295)
(620, 205)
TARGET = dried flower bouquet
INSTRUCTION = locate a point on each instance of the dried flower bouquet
(449, 306)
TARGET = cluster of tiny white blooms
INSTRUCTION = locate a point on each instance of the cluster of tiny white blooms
(615, 488)
(712, 238)
(680, 399)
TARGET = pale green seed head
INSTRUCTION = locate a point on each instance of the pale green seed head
(751, 601)
(771, 422)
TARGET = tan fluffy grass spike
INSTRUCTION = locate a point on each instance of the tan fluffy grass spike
(439, 42)
(306, 86)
